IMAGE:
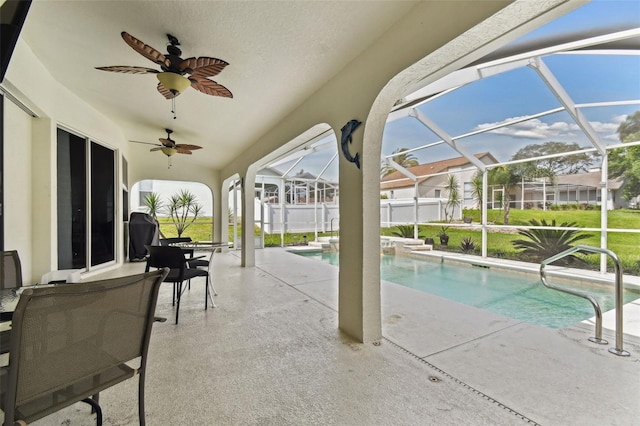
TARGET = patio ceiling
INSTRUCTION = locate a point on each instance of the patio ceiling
(279, 54)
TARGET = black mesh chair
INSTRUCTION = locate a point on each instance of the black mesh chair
(194, 262)
(10, 270)
(179, 270)
(70, 342)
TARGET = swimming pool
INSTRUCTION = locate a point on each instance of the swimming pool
(518, 296)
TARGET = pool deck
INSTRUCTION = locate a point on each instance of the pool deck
(271, 354)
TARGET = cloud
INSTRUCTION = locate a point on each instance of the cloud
(537, 129)
(533, 129)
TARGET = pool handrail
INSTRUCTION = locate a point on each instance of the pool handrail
(618, 350)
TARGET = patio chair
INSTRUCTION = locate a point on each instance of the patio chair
(10, 277)
(10, 270)
(179, 270)
(73, 341)
(194, 262)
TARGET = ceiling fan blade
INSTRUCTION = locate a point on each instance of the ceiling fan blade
(187, 146)
(128, 69)
(204, 66)
(145, 50)
(210, 87)
(166, 93)
(156, 149)
(183, 151)
(146, 143)
(167, 142)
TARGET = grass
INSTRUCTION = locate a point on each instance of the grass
(498, 243)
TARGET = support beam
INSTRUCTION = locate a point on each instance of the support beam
(604, 210)
(427, 122)
(485, 190)
(554, 85)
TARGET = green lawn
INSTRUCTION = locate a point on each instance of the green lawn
(625, 245)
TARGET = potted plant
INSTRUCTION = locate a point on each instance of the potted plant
(444, 237)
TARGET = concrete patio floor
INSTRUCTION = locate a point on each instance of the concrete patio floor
(271, 354)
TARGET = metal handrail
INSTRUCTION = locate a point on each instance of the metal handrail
(618, 350)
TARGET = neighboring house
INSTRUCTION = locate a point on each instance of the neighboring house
(579, 188)
(432, 179)
(302, 188)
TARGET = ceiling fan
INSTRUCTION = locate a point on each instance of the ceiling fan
(175, 74)
(169, 147)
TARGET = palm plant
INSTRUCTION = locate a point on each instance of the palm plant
(506, 177)
(184, 209)
(404, 231)
(402, 158)
(467, 245)
(544, 243)
(476, 189)
(153, 203)
(453, 197)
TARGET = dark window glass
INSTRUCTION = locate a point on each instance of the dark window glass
(102, 204)
(72, 193)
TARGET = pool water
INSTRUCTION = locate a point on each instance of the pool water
(514, 295)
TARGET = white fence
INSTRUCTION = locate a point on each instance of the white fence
(324, 217)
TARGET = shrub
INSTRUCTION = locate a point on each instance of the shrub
(467, 245)
(544, 243)
(404, 231)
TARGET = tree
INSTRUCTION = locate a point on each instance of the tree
(625, 162)
(453, 197)
(476, 189)
(404, 159)
(506, 177)
(566, 164)
(183, 209)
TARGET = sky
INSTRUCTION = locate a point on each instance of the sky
(520, 92)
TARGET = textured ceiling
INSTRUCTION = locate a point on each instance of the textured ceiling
(280, 52)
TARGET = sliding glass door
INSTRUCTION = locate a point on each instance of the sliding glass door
(86, 202)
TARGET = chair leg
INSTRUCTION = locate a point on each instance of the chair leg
(95, 407)
(178, 301)
(206, 292)
(141, 418)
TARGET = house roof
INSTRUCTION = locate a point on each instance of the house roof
(423, 171)
(591, 179)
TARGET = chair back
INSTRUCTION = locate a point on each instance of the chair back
(10, 270)
(72, 341)
(166, 257)
(172, 240)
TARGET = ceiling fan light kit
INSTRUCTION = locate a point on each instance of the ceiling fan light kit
(168, 151)
(174, 83)
(169, 147)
